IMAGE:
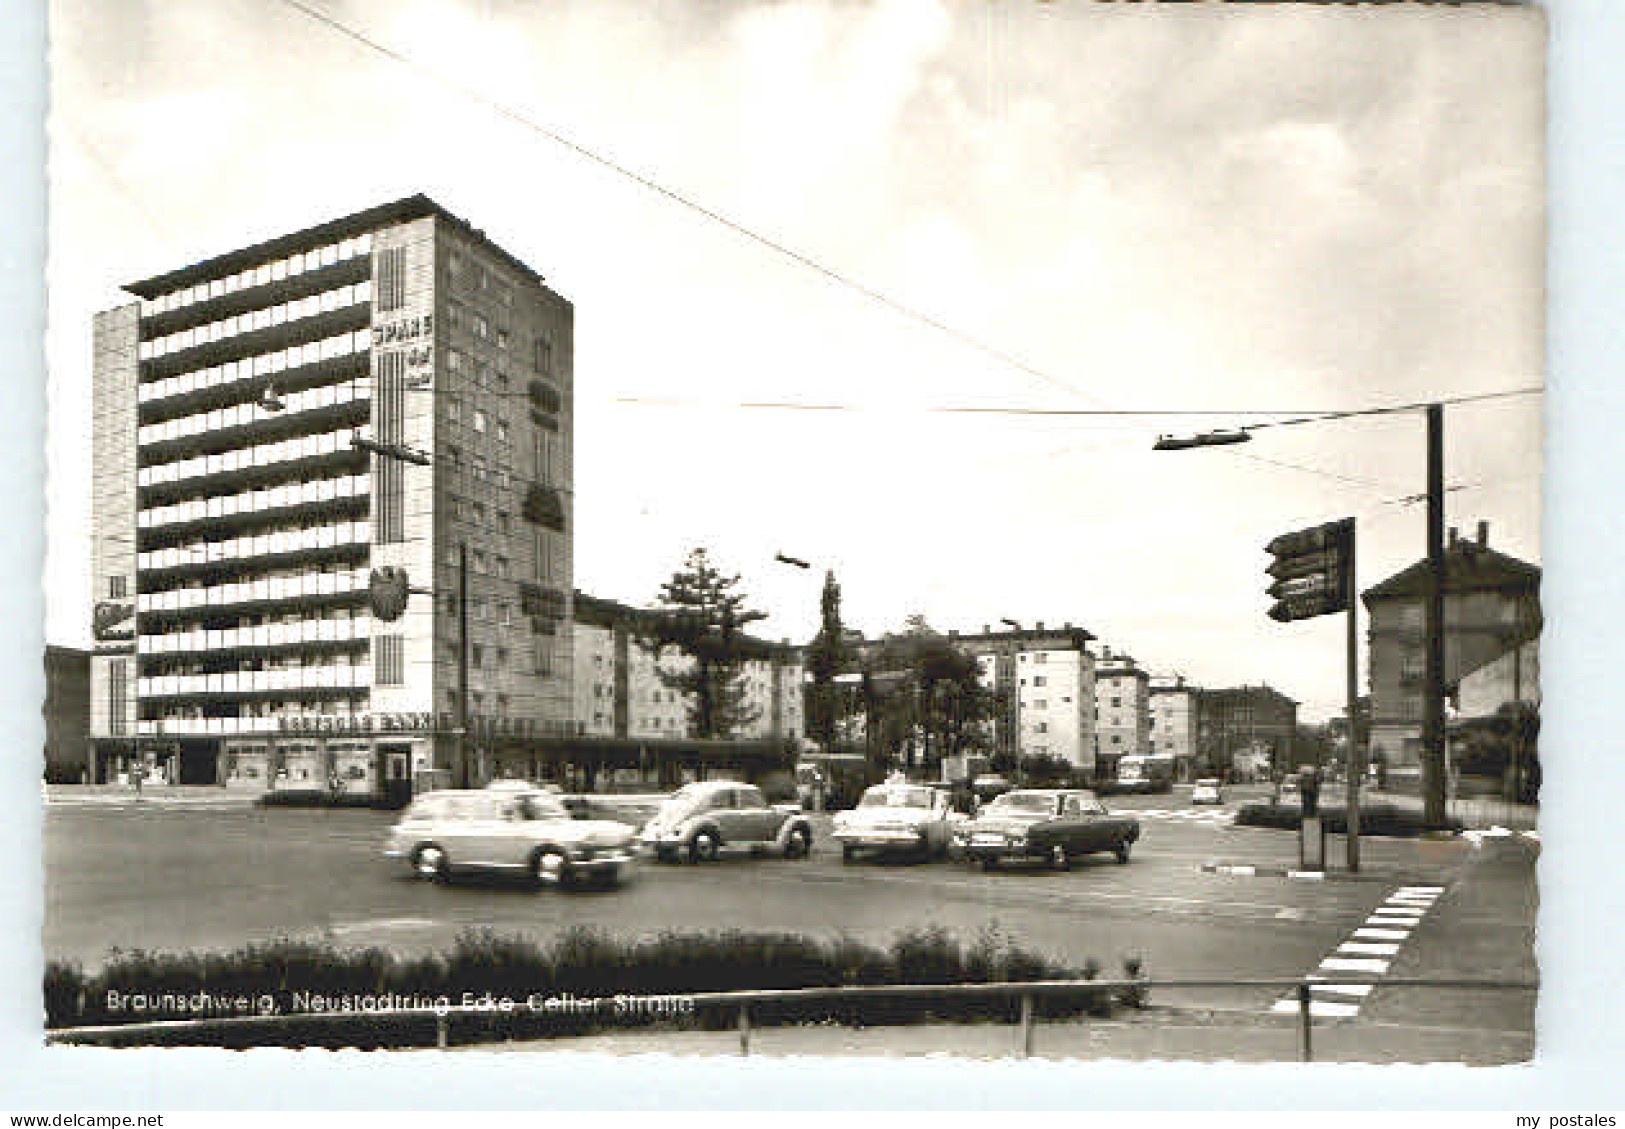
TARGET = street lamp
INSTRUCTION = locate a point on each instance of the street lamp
(1210, 439)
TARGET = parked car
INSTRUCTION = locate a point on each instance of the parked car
(1207, 791)
(898, 817)
(701, 820)
(1055, 826)
(509, 829)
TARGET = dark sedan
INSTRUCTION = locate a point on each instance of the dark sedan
(1054, 826)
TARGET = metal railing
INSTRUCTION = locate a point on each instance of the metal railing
(1025, 993)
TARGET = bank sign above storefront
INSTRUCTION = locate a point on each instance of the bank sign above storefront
(364, 723)
(367, 724)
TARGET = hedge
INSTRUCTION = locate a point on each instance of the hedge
(580, 963)
(1380, 819)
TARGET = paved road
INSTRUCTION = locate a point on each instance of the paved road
(191, 874)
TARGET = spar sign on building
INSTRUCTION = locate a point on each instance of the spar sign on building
(1312, 571)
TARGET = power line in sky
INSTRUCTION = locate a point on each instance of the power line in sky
(1301, 415)
(781, 249)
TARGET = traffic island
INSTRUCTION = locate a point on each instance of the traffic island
(1254, 870)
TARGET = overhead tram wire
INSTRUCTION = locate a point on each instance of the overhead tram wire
(1301, 415)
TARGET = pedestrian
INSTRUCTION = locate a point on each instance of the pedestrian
(138, 773)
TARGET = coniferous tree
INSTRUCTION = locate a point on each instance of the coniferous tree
(826, 657)
(701, 615)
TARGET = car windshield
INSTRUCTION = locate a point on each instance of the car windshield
(1035, 802)
(896, 798)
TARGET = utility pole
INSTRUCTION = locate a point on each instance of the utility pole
(462, 718)
(1433, 761)
(1353, 765)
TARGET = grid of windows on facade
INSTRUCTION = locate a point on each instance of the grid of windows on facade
(263, 317)
(254, 367)
(264, 274)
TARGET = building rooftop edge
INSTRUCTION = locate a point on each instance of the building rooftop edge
(407, 208)
(1468, 567)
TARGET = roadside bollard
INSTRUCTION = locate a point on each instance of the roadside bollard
(1026, 1025)
(744, 1029)
(1306, 1051)
(440, 1025)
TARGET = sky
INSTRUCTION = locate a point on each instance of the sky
(1192, 208)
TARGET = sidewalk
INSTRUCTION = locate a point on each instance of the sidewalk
(1152, 1035)
(169, 794)
(1475, 812)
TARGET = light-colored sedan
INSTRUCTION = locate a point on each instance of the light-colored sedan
(509, 830)
(1207, 791)
(898, 817)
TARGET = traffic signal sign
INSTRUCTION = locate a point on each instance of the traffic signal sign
(1311, 570)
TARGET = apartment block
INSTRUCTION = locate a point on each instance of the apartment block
(238, 525)
(1122, 710)
(1044, 681)
(619, 692)
(1173, 721)
(1491, 610)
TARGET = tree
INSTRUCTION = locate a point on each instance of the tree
(932, 703)
(826, 657)
(1504, 747)
(701, 615)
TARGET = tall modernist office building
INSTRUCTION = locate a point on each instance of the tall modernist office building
(237, 525)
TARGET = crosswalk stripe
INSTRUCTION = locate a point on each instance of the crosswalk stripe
(1385, 929)
(1343, 989)
(1354, 964)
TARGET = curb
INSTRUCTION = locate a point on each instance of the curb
(1248, 870)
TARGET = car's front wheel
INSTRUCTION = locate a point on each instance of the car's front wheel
(550, 869)
(798, 845)
(430, 863)
(703, 847)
